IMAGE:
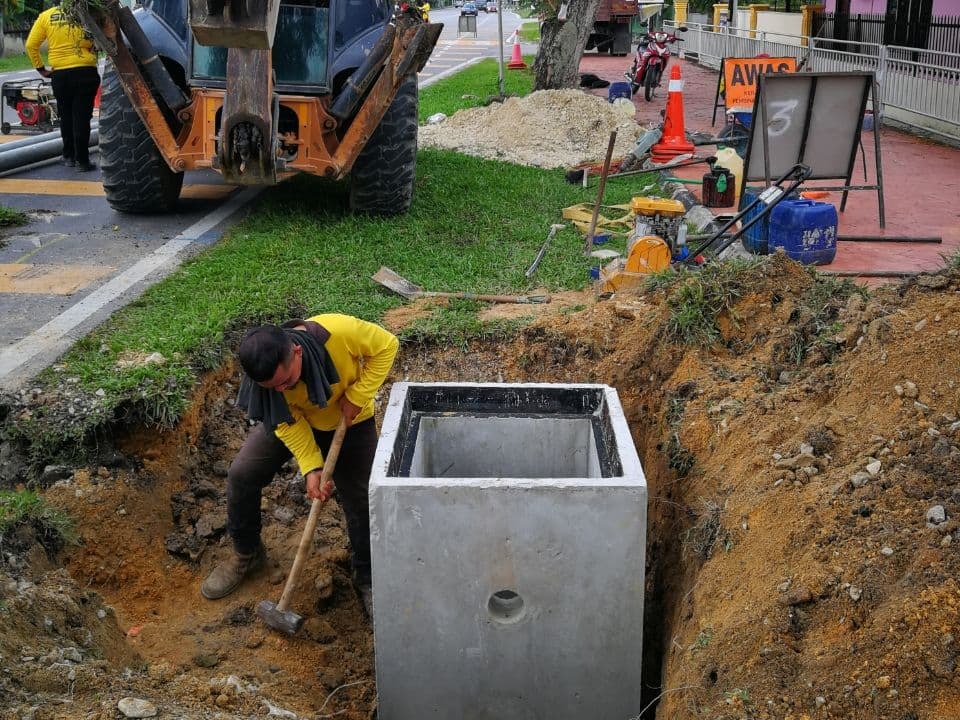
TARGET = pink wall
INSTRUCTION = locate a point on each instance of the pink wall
(940, 7)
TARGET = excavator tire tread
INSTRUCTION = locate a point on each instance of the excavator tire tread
(136, 178)
(381, 182)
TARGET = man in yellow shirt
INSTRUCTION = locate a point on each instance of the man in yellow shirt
(73, 69)
(299, 380)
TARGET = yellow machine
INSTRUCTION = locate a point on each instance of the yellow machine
(659, 234)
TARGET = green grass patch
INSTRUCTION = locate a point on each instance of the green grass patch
(697, 298)
(10, 217)
(474, 86)
(475, 226)
(25, 516)
(17, 62)
(530, 32)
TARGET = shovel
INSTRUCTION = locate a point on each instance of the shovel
(401, 286)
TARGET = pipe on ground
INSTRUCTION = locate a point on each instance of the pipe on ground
(42, 147)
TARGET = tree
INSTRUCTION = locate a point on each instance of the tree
(562, 40)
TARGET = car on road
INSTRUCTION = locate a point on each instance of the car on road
(490, 7)
(468, 9)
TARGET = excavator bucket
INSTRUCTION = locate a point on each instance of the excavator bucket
(247, 24)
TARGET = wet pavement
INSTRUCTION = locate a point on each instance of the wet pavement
(920, 177)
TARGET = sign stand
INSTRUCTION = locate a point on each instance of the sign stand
(716, 98)
(809, 119)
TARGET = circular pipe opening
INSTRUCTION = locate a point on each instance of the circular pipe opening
(505, 606)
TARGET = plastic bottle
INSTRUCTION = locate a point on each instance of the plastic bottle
(728, 158)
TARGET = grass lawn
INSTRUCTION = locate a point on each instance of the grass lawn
(475, 226)
(474, 86)
(530, 32)
(16, 62)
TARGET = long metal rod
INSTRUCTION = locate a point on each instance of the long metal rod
(872, 273)
(889, 238)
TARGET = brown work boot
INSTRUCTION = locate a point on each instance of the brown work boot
(227, 576)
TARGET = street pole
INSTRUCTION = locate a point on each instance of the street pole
(500, 41)
(732, 12)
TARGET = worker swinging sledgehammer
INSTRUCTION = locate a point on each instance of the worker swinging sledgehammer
(299, 380)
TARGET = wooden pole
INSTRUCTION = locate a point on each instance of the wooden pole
(588, 244)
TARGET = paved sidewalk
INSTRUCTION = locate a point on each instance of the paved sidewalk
(921, 179)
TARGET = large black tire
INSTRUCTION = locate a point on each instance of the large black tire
(136, 178)
(651, 79)
(381, 182)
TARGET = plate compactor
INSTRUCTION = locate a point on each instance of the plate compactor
(660, 237)
(34, 105)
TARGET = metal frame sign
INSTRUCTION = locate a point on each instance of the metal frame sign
(813, 119)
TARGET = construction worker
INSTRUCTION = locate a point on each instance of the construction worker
(73, 69)
(299, 379)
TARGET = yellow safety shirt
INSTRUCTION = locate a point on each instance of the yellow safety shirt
(67, 45)
(363, 354)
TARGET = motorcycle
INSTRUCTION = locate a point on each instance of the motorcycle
(650, 61)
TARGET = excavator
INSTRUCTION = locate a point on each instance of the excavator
(259, 91)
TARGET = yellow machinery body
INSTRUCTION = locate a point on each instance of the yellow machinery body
(653, 206)
(650, 249)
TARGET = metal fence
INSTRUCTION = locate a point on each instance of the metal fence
(939, 32)
(918, 88)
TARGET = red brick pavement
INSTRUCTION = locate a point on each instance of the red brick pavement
(922, 187)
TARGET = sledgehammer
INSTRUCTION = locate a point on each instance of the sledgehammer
(277, 616)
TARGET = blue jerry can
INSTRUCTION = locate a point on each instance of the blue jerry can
(805, 229)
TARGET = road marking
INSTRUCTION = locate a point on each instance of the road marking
(50, 336)
(94, 188)
(49, 279)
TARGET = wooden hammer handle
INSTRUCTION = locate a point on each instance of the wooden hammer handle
(325, 477)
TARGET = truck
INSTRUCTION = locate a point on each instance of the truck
(259, 91)
(611, 26)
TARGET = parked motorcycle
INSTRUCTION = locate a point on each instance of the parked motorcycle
(650, 61)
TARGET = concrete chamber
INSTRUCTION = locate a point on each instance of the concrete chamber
(508, 527)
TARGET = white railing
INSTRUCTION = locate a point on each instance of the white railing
(919, 88)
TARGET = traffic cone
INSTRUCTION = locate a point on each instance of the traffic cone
(516, 60)
(674, 141)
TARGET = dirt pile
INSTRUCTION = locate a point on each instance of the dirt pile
(803, 546)
(549, 129)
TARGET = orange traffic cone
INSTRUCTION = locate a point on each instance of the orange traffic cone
(516, 60)
(674, 141)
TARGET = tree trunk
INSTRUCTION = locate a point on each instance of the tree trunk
(557, 63)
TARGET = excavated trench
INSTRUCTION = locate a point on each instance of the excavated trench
(802, 526)
(150, 534)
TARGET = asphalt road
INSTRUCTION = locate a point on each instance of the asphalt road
(77, 261)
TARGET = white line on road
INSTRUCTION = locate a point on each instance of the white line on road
(46, 339)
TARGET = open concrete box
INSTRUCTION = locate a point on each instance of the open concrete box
(508, 528)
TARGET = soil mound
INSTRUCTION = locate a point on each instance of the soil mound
(548, 128)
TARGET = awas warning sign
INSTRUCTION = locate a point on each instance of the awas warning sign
(740, 78)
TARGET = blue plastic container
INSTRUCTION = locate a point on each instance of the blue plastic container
(805, 229)
(755, 239)
(618, 90)
(746, 118)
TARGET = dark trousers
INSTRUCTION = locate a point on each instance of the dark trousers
(75, 90)
(262, 456)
